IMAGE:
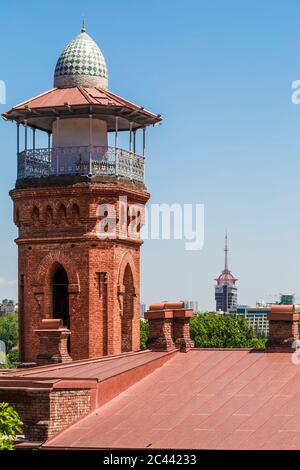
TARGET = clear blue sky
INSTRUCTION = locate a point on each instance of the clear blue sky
(220, 73)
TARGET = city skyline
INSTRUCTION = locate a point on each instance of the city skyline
(245, 90)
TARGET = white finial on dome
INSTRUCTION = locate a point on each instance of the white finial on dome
(81, 64)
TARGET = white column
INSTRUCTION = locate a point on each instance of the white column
(49, 151)
(25, 154)
(57, 153)
(144, 140)
(91, 144)
(116, 145)
(20, 175)
(130, 137)
(134, 140)
(116, 131)
(26, 134)
(18, 138)
(33, 139)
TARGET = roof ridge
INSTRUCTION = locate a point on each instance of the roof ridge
(114, 95)
(85, 94)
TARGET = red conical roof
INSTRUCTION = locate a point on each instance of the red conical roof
(226, 278)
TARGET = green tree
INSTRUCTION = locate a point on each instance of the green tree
(10, 426)
(144, 333)
(9, 330)
(223, 331)
(13, 357)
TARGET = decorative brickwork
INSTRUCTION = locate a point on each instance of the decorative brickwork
(169, 326)
(67, 406)
(57, 220)
(160, 333)
(181, 330)
(46, 412)
(53, 342)
(283, 329)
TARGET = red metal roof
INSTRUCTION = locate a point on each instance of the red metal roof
(99, 368)
(205, 399)
(66, 101)
(226, 277)
(78, 96)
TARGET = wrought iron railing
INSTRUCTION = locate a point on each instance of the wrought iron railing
(86, 160)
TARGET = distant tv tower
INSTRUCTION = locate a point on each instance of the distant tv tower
(225, 289)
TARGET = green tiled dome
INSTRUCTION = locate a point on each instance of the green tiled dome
(81, 64)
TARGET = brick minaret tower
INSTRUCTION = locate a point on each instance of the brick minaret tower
(78, 205)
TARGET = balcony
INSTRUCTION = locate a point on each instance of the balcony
(80, 161)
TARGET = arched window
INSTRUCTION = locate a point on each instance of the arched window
(62, 214)
(17, 217)
(35, 215)
(128, 307)
(60, 295)
(49, 215)
(75, 213)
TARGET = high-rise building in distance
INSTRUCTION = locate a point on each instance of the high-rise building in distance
(225, 289)
(193, 304)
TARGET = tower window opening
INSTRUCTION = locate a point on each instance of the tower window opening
(60, 296)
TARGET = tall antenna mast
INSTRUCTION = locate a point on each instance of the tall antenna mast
(226, 252)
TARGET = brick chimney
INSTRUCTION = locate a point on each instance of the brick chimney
(53, 342)
(283, 329)
(169, 326)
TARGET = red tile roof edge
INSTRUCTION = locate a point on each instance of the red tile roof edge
(227, 349)
(24, 372)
